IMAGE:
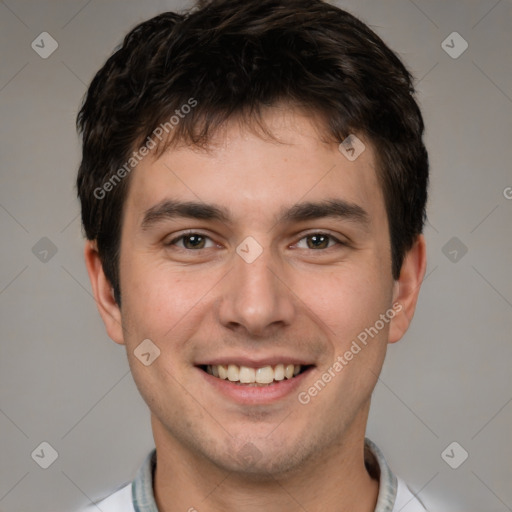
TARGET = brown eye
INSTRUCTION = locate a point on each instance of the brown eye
(192, 241)
(318, 241)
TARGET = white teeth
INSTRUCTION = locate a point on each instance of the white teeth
(233, 373)
(247, 375)
(279, 372)
(223, 372)
(264, 375)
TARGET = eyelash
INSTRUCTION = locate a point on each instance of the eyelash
(318, 233)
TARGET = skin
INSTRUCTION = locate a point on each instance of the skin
(294, 300)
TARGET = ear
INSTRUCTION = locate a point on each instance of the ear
(103, 293)
(407, 289)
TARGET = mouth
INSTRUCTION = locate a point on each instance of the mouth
(250, 381)
(255, 377)
(263, 376)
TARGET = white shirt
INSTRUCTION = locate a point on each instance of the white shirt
(137, 496)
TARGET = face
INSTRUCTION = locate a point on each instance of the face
(254, 259)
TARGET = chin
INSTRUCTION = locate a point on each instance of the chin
(261, 459)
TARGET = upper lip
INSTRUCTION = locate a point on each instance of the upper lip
(254, 363)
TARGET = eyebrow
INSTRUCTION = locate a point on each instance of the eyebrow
(170, 209)
(334, 208)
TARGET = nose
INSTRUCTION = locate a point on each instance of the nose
(256, 299)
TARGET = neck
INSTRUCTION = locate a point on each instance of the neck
(336, 481)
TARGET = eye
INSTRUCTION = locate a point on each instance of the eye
(318, 241)
(192, 241)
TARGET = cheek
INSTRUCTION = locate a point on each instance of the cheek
(347, 302)
(157, 299)
(351, 307)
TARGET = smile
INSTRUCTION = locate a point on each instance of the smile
(245, 375)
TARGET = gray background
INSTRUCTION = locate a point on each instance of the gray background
(64, 382)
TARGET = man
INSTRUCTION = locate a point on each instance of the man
(253, 190)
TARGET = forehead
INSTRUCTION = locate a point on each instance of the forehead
(253, 176)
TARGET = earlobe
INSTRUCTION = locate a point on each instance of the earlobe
(407, 288)
(103, 293)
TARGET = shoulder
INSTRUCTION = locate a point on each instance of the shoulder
(405, 500)
(119, 501)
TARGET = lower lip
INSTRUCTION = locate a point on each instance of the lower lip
(246, 394)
